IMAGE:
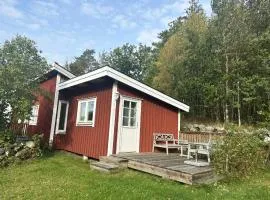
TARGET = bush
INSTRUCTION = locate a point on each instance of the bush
(13, 152)
(238, 155)
(7, 136)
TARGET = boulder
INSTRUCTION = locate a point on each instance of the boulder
(201, 127)
(18, 148)
(2, 151)
(193, 129)
(30, 144)
(209, 129)
(24, 154)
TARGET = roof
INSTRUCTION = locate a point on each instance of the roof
(120, 77)
(62, 70)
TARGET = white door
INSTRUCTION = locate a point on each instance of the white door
(129, 125)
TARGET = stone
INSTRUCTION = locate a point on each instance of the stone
(18, 148)
(193, 129)
(201, 127)
(24, 154)
(2, 151)
(209, 129)
(30, 144)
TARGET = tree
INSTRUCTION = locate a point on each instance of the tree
(21, 64)
(84, 63)
(134, 61)
(180, 62)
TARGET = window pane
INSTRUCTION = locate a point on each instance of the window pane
(126, 104)
(82, 111)
(90, 111)
(62, 117)
(126, 112)
(133, 113)
(132, 122)
(133, 104)
(125, 121)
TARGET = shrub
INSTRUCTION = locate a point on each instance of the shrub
(13, 152)
(238, 155)
(7, 136)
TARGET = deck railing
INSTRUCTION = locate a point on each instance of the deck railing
(201, 136)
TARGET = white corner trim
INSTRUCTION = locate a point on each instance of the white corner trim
(112, 118)
(179, 124)
(55, 103)
(107, 71)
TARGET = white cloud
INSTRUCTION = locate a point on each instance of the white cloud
(95, 10)
(148, 36)
(123, 22)
(166, 20)
(8, 8)
(45, 8)
(172, 9)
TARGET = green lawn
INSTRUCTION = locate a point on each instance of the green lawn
(64, 176)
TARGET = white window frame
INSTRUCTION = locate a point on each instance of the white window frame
(129, 117)
(35, 121)
(58, 117)
(86, 123)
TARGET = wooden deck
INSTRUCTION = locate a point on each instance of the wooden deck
(170, 166)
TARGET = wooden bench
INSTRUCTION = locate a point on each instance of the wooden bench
(167, 141)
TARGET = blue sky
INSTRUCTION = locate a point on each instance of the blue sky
(64, 28)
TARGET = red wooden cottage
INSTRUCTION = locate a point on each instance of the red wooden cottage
(103, 112)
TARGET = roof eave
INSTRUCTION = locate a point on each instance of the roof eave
(107, 71)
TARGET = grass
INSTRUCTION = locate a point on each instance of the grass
(64, 176)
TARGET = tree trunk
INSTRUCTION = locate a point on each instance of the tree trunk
(238, 104)
(227, 90)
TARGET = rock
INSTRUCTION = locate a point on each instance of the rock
(201, 127)
(193, 129)
(209, 129)
(18, 148)
(2, 151)
(30, 144)
(24, 154)
(267, 139)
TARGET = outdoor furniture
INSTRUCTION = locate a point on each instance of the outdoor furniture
(199, 148)
(167, 141)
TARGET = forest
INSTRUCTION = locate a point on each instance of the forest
(218, 65)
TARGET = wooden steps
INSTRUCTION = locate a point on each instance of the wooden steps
(104, 167)
(121, 162)
(109, 164)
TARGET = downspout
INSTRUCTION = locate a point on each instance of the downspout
(55, 103)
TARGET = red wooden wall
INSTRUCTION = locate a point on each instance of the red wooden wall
(45, 109)
(156, 116)
(85, 140)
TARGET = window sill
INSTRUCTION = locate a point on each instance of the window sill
(82, 124)
(61, 133)
(32, 124)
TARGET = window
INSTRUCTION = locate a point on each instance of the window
(62, 115)
(129, 114)
(86, 112)
(34, 115)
